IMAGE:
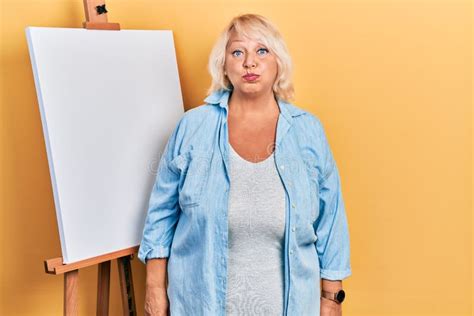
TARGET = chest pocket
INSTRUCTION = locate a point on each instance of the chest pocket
(313, 176)
(194, 166)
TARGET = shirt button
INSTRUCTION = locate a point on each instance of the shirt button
(291, 252)
(293, 229)
(293, 205)
(282, 167)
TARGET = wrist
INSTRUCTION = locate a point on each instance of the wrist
(331, 286)
(155, 286)
(337, 297)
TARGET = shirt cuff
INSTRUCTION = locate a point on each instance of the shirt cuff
(335, 275)
(145, 253)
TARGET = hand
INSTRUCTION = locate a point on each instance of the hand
(330, 308)
(156, 302)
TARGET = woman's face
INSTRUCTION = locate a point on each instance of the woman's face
(244, 56)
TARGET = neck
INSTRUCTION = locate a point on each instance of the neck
(252, 105)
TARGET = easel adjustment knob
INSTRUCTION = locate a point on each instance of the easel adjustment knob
(101, 9)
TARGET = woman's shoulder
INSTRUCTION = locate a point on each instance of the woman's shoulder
(201, 116)
(192, 129)
(305, 119)
(200, 112)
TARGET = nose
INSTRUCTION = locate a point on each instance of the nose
(249, 61)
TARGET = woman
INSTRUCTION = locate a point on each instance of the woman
(246, 216)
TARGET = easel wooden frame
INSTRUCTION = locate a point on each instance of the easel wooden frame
(71, 281)
(96, 19)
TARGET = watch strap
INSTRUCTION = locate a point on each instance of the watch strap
(329, 295)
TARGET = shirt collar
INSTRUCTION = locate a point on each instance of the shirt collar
(221, 98)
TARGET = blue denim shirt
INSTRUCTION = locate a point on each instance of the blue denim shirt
(187, 214)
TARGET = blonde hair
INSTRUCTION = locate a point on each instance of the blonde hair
(259, 28)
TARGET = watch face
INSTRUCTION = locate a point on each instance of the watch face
(340, 296)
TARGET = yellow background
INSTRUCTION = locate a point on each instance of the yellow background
(391, 82)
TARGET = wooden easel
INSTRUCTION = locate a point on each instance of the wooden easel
(96, 18)
(71, 280)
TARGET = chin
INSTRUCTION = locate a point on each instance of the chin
(251, 89)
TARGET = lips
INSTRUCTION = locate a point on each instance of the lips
(250, 76)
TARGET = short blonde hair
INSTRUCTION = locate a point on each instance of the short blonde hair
(259, 28)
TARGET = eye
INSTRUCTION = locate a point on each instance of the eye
(236, 51)
(263, 49)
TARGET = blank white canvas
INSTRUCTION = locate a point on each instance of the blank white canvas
(108, 101)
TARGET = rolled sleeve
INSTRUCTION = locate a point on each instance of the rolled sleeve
(163, 210)
(331, 227)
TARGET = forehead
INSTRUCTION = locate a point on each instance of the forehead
(237, 38)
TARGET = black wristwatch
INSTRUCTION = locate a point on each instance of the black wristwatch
(337, 297)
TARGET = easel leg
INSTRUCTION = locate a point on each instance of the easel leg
(103, 289)
(126, 286)
(71, 280)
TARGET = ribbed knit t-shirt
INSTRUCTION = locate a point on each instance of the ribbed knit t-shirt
(256, 221)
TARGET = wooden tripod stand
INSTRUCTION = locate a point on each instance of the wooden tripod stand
(96, 18)
(71, 279)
